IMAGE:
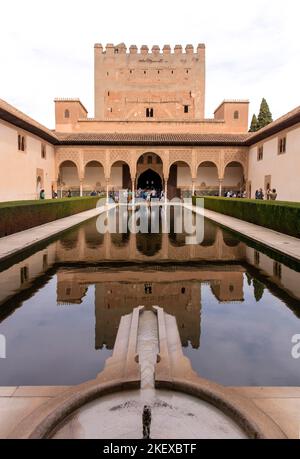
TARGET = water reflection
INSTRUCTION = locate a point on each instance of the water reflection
(228, 298)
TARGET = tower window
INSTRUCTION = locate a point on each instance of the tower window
(183, 290)
(24, 274)
(108, 93)
(148, 288)
(149, 112)
(21, 142)
(145, 72)
(67, 113)
(43, 151)
(186, 108)
(116, 51)
(130, 71)
(277, 269)
(236, 115)
(172, 71)
(260, 153)
(282, 145)
(45, 261)
(186, 71)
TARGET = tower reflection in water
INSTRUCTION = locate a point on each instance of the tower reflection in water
(166, 280)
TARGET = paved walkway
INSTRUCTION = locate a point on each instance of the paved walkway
(10, 245)
(283, 243)
(282, 404)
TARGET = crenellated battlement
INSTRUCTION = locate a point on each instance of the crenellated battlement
(111, 49)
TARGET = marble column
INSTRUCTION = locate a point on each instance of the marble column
(220, 186)
(107, 191)
(133, 191)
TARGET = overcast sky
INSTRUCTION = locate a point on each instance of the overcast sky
(46, 51)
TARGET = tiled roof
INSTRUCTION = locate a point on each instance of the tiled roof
(18, 118)
(151, 139)
(285, 121)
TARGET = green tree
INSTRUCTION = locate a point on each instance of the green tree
(258, 289)
(254, 124)
(264, 116)
(249, 278)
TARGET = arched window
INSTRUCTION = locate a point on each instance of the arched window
(236, 115)
(67, 113)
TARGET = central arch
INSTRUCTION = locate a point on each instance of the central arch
(149, 179)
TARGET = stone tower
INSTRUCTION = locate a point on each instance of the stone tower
(156, 85)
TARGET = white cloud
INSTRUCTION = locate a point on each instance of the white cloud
(47, 47)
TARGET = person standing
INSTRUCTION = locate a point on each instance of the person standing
(273, 195)
(42, 194)
(146, 421)
(259, 194)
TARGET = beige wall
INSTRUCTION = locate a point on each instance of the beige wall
(207, 126)
(18, 169)
(284, 169)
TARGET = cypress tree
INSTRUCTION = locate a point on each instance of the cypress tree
(258, 289)
(254, 124)
(265, 116)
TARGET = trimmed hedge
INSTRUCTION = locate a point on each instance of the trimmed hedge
(17, 216)
(280, 216)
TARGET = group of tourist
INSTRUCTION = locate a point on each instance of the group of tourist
(143, 194)
(270, 194)
(235, 194)
(149, 194)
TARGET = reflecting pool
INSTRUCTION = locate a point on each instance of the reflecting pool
(237, 305)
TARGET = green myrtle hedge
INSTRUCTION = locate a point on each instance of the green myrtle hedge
(277, 215)
(20, 215)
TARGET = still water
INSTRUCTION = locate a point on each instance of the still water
(237, 305)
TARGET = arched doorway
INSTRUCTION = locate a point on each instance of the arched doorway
(149, 180)
(180, 180)
(234, 180)
(38, 185)
(94, 179)
(207, 182)
(120, 179)
(149, 172)
(68, 179)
